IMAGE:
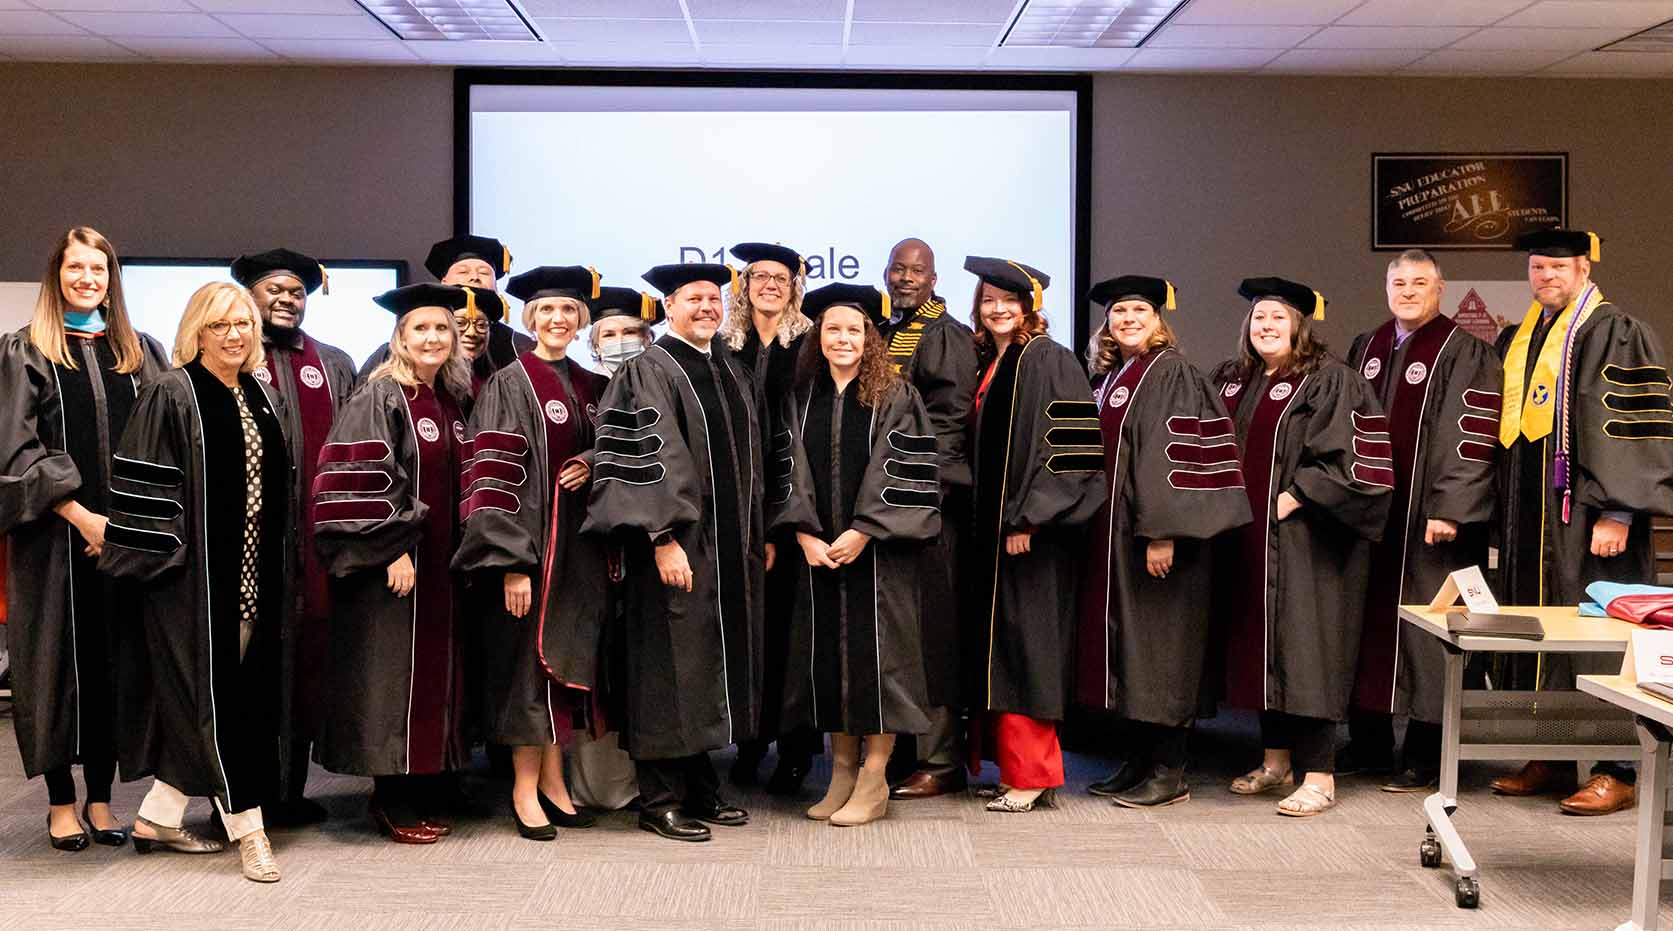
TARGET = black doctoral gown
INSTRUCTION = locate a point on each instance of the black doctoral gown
(1039, 466)
(542, 668)
(388, 486)
(1621, 459)
(1295, 589)
(772, 370)
(314, 380)
(1170, 459)
(937, 354)
(210, 724)
(58, 429)
(1440, 388)
(679, 450)
(854, 664)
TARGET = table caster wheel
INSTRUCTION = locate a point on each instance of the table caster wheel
(1468, 892)
(1429, 853)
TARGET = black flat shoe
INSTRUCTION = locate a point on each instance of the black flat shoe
(533, 832)
(718, 812)
(564, 819)
(115, 837)
(1125, 777)
(674, 825)
(788, 776)
(71, 843)
(1412, 779)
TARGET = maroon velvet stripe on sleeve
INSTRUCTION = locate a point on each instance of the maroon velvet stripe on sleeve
(361, 451)
(354, 509)
(1202, 455)
(369, 482)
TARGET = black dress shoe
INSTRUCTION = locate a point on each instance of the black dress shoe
(718, 812)
(1165, 786)
(674, 825)
(564, 819)
(1125, 777)
(1412, 778)
(69, 842)
(788, 776)
(115, 837)
(546, 831)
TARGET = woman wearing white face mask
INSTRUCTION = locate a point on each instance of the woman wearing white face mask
(621, 330)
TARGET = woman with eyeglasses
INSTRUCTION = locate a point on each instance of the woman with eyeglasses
(206, 531)
(67, 387)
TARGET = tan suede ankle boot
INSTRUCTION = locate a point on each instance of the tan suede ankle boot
(845, 771)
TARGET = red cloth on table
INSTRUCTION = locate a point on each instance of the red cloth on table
(1652, 611)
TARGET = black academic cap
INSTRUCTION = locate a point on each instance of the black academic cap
(443, 254)
(577, 281)
(249, 269)
(491, 303)
(1158, 292)
(404, 300)
(1012, 276)
(748, 252)
(1560, 243)
(626, 302)
(870, 300)
(1300, 297)
(671, 278)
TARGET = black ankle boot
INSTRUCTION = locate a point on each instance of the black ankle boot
(1128, 775)
(1165, 786)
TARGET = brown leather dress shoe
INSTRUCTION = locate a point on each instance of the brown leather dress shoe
(1602, 795)
(1536, 778)
(926, 784)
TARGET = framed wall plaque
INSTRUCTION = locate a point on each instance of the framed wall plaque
(1446, 201)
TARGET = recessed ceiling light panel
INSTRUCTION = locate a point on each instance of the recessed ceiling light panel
(1088, 23)
(452, 20)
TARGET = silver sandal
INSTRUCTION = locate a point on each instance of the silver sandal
(1317, 801)
(1004, 803)
(1261, 779)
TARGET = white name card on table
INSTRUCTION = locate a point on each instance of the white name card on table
(1469, 584)
(1652, 655)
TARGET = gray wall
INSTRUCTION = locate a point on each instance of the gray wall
(1203, 179)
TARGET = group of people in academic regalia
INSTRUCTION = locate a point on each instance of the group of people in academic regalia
(798, 512)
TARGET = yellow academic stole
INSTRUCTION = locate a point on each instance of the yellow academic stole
(905, 340)
(1530, 409)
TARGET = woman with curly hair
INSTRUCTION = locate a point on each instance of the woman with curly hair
(1174, 483)
(864, 496)
(1039, 477)
(1318, 470)
(765, 329)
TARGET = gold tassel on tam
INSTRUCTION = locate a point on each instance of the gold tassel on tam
(1170, 304)
(594, 273)
(324, 281)
(1318, 306)
(647, 307)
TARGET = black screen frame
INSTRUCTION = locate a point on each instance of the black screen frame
(1080, 84)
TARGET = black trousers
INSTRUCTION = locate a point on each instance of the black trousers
(1162, 744)
(1311, 741)
(97, 775)
(665, 785)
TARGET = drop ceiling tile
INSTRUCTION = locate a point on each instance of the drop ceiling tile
(923, 35)
(1184, 59)
(1391, 37)
(159, 25)
(807, 10)
(486, 53)
(1173, 36)
(1630, 15)
(1264, 12)
(345, 50)
(14, 5)
(647, 55)
(1418, 13)
(1614, 65)
(1060, 59)
(767, 34)
(909, 58)
(604, 9)
(790, 56)
(1344, 61)
(934, 11)
(343, 7)
(1518, 37)
(35, 23)
(117, 6)
(63, 48)
(1497, 61)
(281, 26)
(615, 31)
(199, 49)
